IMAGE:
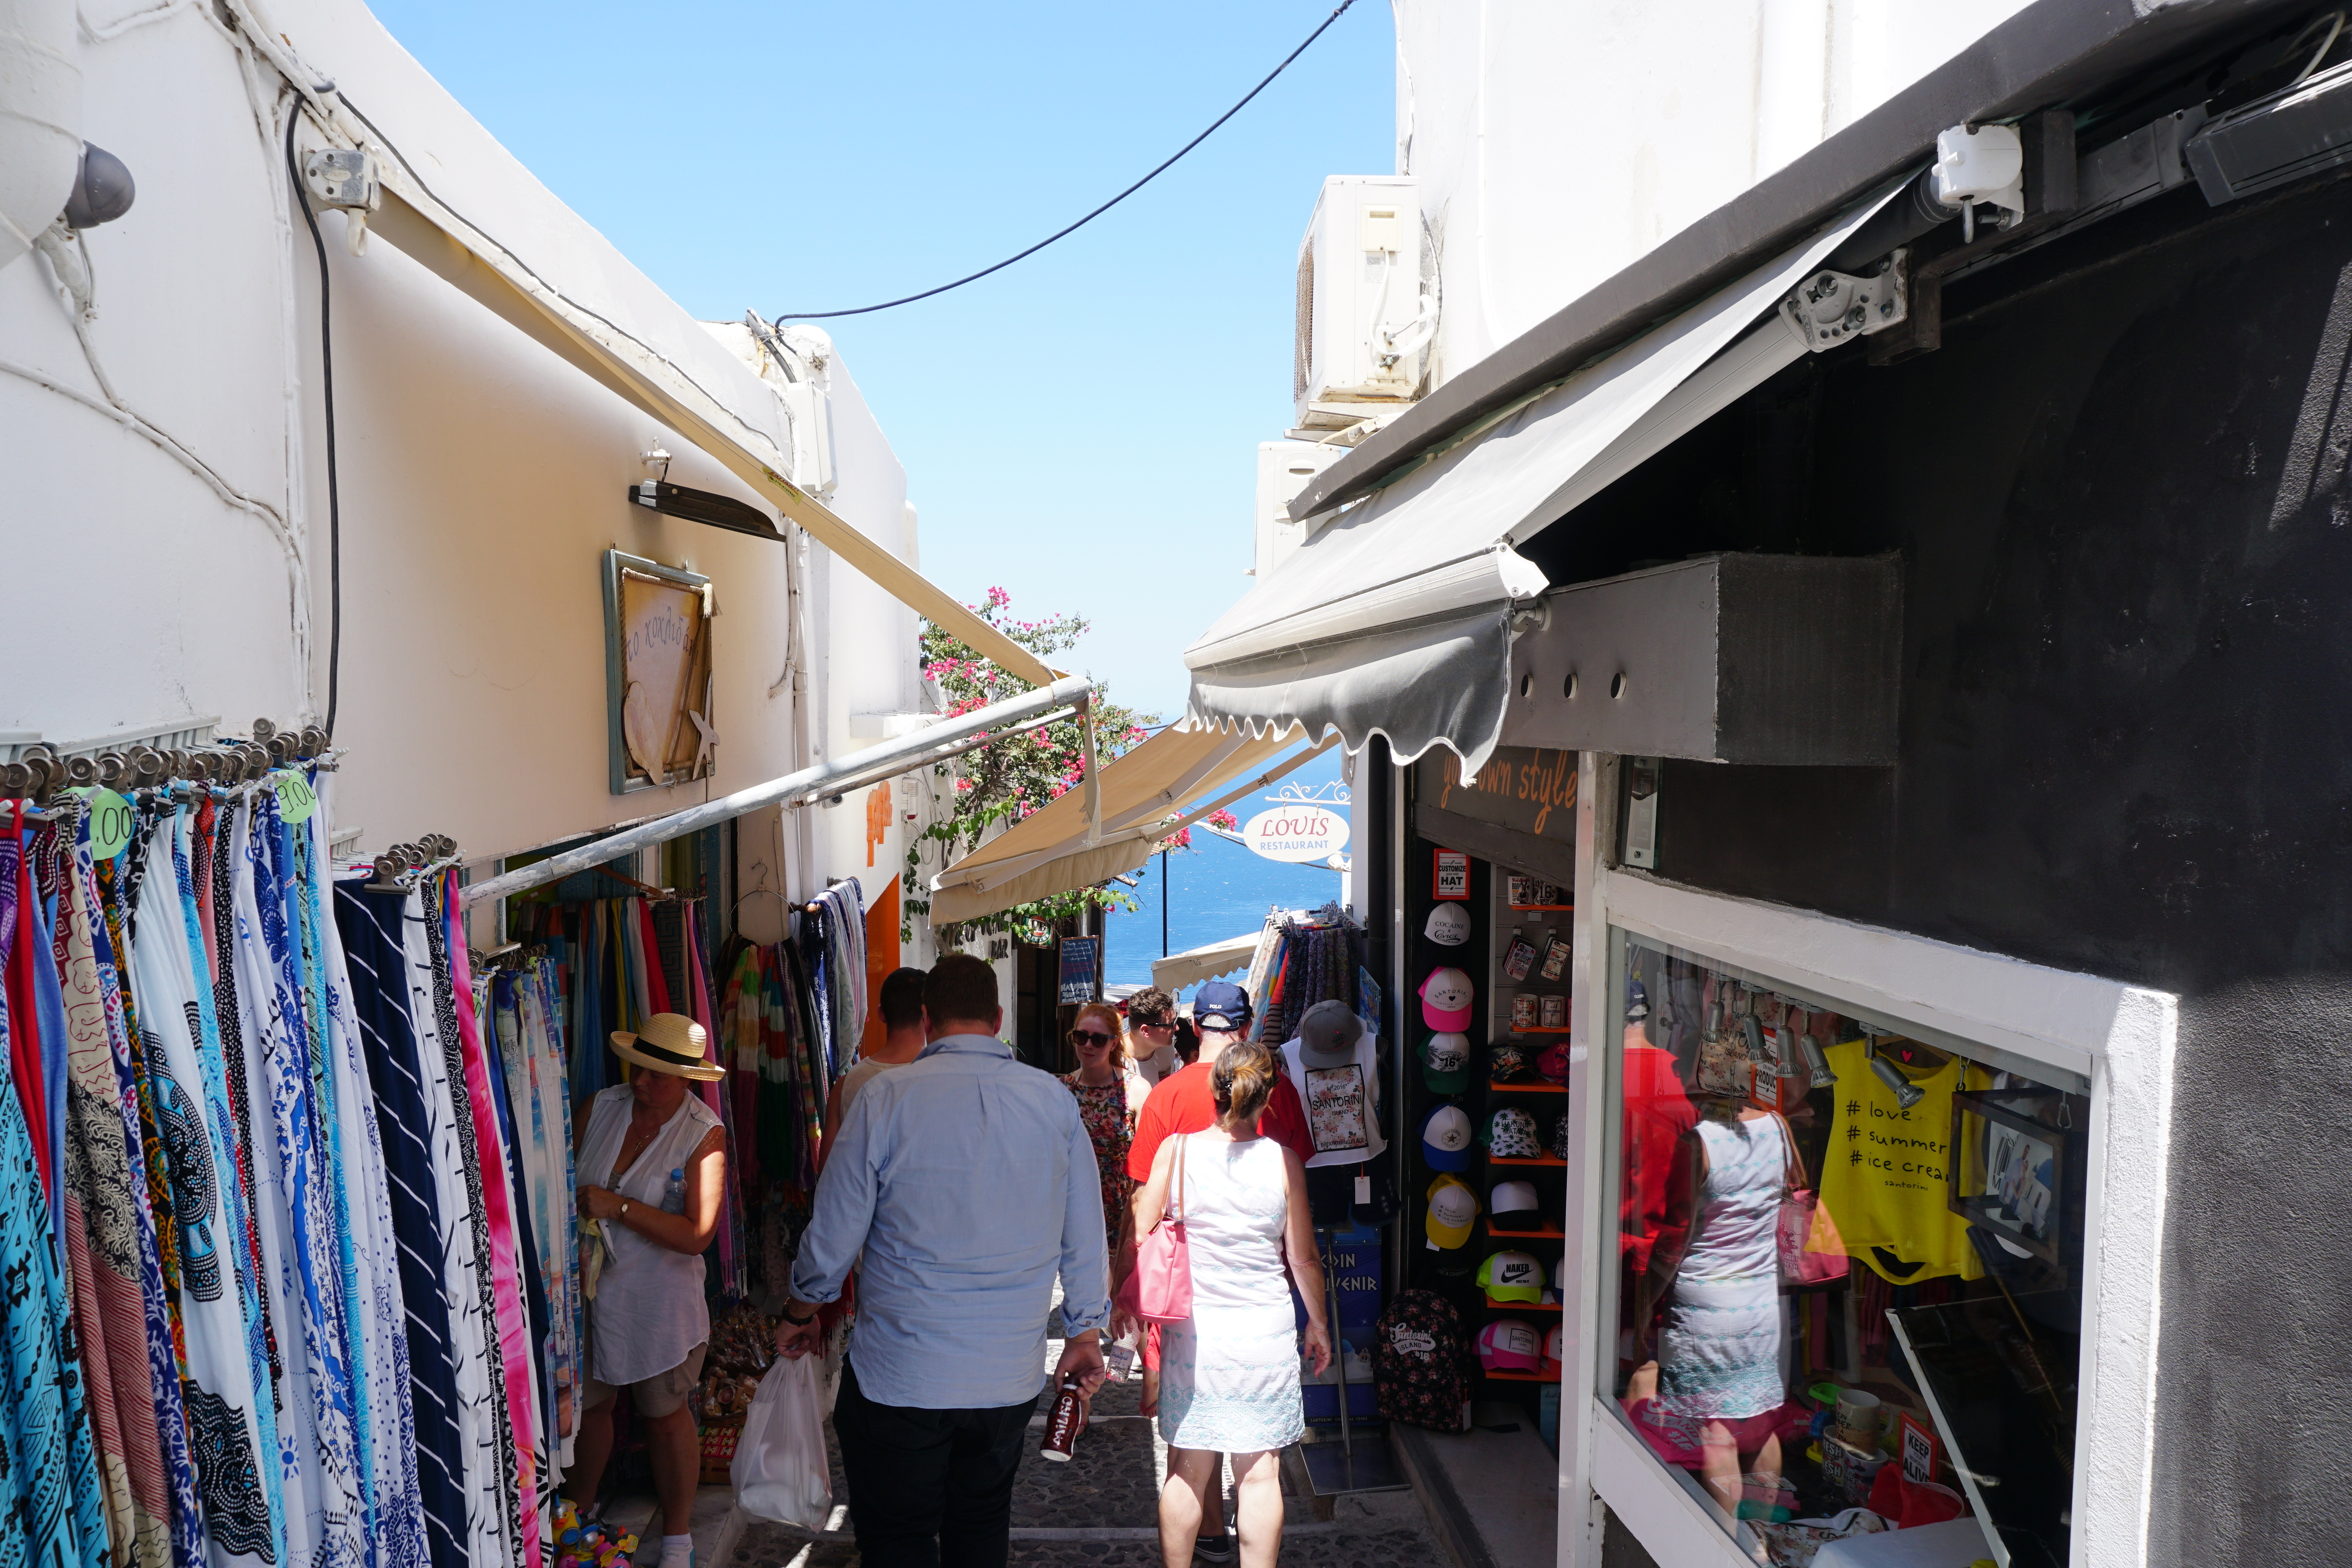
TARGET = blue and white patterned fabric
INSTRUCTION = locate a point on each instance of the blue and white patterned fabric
(224, 1433)
(51, 1512)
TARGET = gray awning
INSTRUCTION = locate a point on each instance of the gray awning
(1395, 617)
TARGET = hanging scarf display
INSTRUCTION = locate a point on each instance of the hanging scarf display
(288, 1221)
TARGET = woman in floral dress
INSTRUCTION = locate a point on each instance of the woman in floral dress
(1110, 1093)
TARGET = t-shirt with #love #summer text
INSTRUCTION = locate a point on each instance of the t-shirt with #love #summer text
(1885, 1177)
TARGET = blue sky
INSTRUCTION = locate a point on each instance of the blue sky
(1080, 429)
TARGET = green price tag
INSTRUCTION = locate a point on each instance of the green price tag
(112, 820)
(295, 801)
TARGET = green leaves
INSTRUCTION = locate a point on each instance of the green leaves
(1006, 779)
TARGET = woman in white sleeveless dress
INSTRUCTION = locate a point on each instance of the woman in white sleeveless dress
(1229, 1374)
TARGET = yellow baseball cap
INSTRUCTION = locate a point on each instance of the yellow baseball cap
(1453, 1210)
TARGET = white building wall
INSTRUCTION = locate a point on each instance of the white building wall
(1555, 144)
(482, 478)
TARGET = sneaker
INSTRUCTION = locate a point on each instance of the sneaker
(1215, 1548)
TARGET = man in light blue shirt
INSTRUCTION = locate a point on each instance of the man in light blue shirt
(968, 1181)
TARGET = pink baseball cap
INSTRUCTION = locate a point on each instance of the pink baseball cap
(1508, 1344)
(1445, 998)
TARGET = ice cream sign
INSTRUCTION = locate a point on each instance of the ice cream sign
(1297, 830)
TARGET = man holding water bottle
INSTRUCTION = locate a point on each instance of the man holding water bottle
(968, 1180)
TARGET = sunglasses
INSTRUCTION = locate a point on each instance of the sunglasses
(1090, 1037)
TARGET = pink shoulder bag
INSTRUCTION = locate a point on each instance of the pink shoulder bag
(1812, 1251)
(1163, 1262)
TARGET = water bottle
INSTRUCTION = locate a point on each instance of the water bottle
(1062, 1426)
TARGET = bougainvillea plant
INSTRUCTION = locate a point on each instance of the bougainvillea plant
(1013, 775)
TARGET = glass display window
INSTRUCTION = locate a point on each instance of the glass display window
(1846, 1293)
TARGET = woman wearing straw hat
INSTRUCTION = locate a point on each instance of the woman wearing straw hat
(652, 1162)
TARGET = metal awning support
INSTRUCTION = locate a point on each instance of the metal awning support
(936, 743)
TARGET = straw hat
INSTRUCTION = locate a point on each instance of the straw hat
(671, 1043)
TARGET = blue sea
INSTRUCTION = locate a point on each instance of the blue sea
(1215, 890)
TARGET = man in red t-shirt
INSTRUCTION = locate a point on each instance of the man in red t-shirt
(1181, 1103)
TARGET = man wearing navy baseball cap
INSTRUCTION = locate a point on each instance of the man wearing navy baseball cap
(1182, 1103)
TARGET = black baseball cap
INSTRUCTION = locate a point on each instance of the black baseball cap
(1221, 1005)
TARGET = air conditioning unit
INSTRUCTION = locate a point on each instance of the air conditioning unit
(1365, 312)
(1284, 468)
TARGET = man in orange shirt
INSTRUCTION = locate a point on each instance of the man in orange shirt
(1181, 1103)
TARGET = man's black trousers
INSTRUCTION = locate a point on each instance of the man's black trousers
(928, 1488)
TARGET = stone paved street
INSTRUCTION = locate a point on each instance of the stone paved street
(1112, 1484)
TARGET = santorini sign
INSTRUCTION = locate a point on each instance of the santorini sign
(1297, 830)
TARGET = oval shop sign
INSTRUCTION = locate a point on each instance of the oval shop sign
(1296, 832)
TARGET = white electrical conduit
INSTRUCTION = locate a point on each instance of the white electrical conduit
(115, 29)
(794, 789)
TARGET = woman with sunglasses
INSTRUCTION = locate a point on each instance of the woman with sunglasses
(1110, 1093)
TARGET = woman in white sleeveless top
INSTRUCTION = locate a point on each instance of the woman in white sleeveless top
(651, 1166)
(1229, 1374)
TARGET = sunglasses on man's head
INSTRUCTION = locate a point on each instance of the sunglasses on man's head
(1091, 1037)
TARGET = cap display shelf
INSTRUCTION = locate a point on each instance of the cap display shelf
(1552, 1160)
(1540, 908)
(1509, 1375)
(1495, 1306)
(1539, 1087)
(1545, 1231)
(1543, 1028)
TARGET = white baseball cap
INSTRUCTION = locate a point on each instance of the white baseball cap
(1513, 1197)
(1448, 925)
(1555, 1344)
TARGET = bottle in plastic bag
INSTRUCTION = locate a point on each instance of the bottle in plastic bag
(780, 1470)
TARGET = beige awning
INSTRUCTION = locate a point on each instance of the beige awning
(445, 243)
(1179, 970)
(1164, 784)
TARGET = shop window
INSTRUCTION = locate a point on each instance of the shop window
(1848, 1269)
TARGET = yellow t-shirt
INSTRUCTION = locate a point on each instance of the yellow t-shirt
(1887, 1179)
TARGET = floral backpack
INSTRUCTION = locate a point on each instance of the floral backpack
(1420, 1362)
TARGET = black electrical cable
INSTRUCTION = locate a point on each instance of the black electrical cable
(334, 497)
(1049, 239)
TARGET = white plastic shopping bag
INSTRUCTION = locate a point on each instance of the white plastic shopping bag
(780, 1471)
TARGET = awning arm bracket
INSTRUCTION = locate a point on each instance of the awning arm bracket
(1094, 780)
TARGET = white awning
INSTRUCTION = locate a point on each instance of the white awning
(1168, 783)
(1179, 970)
(1394, 617)
(581, 300)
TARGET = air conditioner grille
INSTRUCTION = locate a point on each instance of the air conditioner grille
(1303, 359)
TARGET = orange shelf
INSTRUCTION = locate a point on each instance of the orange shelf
(1543, 1028)
(1543, 1233)
(1496, 1306)
(1508, 1376)
(1528, 1088)
(1515, 1160)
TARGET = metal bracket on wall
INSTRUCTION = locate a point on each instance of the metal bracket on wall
(1830, 308)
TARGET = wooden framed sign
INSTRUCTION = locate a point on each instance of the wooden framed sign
(657, 674)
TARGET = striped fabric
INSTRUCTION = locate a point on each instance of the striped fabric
(371, 926)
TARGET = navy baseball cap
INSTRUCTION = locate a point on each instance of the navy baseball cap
(1221, 1005)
